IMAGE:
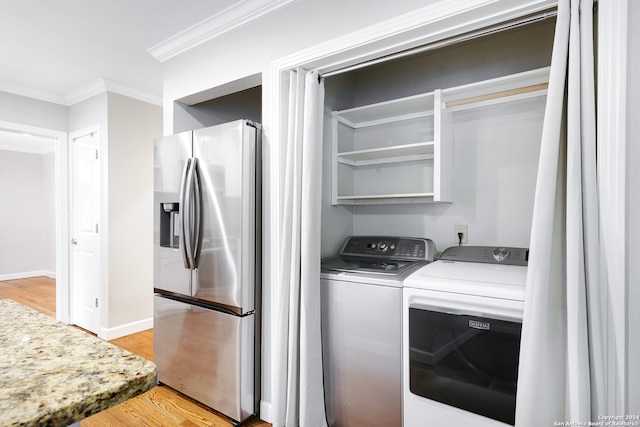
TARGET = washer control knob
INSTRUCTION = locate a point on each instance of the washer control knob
(383, 246)
(500, 254)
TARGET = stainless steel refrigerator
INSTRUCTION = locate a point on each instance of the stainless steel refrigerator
(207, 270)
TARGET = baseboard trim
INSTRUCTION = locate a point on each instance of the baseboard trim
(109, 334)
(265, 411)
(27, 274)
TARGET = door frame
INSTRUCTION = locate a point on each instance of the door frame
(430, 24)
(62, 211)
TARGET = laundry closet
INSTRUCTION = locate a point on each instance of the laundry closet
(418, 145)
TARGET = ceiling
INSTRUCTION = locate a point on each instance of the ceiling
(64, 51)
(52, 48)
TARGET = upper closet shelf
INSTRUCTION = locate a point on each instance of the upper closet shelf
(495, 91)
(388, 111)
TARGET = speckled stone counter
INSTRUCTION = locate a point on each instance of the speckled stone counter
(52, 374)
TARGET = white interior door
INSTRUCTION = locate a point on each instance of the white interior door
(85, 231)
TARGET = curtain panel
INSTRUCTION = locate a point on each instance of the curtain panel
(562, 367)
(299, 399)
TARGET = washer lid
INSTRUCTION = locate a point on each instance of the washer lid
(471, 278)
(366, 264)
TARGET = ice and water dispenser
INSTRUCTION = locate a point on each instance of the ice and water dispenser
(169, 225)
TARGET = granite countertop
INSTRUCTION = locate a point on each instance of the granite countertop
(52, 374)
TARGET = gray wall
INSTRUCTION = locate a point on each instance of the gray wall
(27, 234)
(20, 110)
(32, 112)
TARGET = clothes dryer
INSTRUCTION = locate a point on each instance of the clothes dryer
(462, 321)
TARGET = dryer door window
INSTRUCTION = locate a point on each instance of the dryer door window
(466, 361)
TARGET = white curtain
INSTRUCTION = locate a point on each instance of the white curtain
(561, 374)
(299, 399)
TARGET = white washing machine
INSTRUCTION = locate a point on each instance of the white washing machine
(361, 292)
(462, 321)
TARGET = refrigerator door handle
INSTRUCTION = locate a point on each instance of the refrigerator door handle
(197, 214)
(184, 215)
(188, 213)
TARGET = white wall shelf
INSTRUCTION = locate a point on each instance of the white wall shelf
(401, 151)
(389, 111)
(496, 91)
(392, 154)
(387, 199)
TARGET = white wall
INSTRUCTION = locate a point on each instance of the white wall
(250, 49)
(132, 127)
(90, 112)
(127, 129)
(24, 111)
(26, 238)
(32, 112)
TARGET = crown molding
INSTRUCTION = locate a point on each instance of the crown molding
(101, 85)
(437, 21)
(85, 91)
(81, 93)
(28, 92)
(221, 23)
(121, 89)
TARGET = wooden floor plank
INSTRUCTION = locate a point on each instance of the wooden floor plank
(161, 406)
(38, 293)
(140, 343)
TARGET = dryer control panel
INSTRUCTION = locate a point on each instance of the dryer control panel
(390, 247)
(487, 254)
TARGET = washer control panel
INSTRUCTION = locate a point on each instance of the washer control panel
(487, 254)
(390, 247)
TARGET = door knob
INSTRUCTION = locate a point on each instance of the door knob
(74, 241)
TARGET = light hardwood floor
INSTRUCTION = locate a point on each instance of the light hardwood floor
(161, 406)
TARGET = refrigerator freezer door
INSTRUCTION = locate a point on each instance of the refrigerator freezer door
(207, 355)
(227, 171)
(170, 157)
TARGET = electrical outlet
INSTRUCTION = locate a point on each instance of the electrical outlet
(465, 233)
